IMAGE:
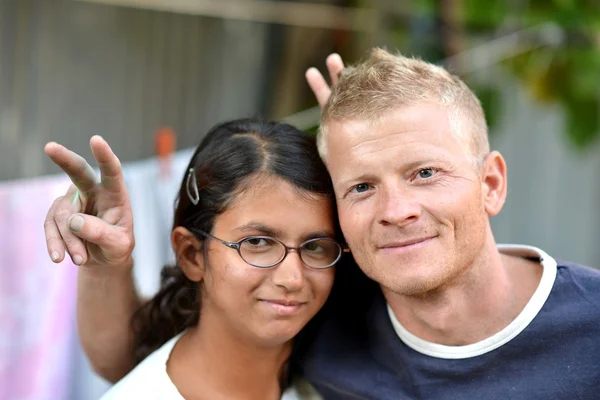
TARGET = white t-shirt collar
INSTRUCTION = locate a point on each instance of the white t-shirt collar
(530, 311)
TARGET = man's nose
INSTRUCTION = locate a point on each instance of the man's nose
(398, 207)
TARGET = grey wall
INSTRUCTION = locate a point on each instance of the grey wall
(69, 70)
(554, 189)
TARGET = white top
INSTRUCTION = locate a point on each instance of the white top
(517, 326)
(150, 381)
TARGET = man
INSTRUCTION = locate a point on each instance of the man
(457, 316)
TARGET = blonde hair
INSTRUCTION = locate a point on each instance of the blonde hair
(384, 82)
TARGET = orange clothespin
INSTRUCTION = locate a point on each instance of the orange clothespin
(166, 142)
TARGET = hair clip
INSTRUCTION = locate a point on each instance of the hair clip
(195, 198)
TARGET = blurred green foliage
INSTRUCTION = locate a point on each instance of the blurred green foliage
(567, 74)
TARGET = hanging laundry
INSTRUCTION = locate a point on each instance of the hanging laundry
(40, 354)
(152, 193)
(37, 297)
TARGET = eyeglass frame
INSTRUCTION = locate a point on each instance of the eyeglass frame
(238, 247)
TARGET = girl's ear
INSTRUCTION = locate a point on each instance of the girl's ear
(188, 250)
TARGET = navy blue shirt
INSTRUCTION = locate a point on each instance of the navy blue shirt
(551, 351)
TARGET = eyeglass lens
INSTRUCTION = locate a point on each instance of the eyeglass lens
(263, 251)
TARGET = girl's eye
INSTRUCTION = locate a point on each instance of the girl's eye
(257, 242)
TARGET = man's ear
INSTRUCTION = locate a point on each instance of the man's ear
(188, 250)
(494, 183)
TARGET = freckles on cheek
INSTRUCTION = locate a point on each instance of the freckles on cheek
(233, 276)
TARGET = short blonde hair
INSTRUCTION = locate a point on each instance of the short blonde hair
(384, 82)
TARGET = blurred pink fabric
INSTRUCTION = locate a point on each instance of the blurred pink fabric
(37, 297)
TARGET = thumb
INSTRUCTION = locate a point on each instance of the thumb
(78, 200)
(115, 241)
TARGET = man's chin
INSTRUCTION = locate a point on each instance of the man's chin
(414, 281)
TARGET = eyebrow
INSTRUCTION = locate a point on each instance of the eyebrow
(424, 163)
(268, 231)
(318, 234)
(253, 226)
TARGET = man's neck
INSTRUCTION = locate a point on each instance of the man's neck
(211, 363)
(481, 302)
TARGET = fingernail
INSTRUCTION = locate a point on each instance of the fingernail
(55, 256)
(76, 223)
(77, 260)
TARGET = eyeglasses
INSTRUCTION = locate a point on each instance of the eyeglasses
(267, 252)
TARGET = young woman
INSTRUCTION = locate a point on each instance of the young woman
(256, 241)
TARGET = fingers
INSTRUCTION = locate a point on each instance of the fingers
(110, 167)
(335, 65)
(57, 238)
(63, 209)
(115, 242)
(317, 82)
(318, 85)
(79, 171)
(54, 242)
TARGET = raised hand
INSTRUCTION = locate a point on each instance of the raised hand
(317, 82)
(93, 221)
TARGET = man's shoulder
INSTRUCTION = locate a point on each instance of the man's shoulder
(580, 280)
(579, 270)
(573, 282)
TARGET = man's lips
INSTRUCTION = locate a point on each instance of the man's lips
(405, 243)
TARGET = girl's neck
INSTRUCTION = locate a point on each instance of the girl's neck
(211, 362)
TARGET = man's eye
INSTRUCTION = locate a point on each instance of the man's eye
(426, 173)
(361, 188)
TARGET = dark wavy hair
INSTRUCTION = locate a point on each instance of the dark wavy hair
(229, 155)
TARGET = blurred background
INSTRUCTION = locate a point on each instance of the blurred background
(151, 76)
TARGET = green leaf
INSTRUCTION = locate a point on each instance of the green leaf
(582, 125)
